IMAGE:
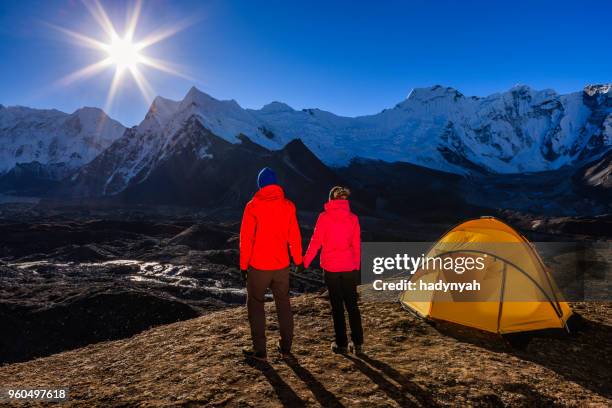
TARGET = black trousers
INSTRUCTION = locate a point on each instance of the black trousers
(342, 287)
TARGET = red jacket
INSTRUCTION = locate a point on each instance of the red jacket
(268, 225)
(338, 232)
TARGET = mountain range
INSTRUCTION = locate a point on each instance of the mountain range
(40, 146)
(179, 144)
(49, 136)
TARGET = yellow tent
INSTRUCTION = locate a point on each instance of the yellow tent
(517, 292)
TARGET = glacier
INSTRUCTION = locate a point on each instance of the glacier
(52, 137)
(521, 130)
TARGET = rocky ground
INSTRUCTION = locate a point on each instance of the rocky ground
(75, 276)
(198, 362)
(65, 283)
(150, 303)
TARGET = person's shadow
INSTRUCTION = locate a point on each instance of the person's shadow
(408, 394)
(285, 393)
(322, 394)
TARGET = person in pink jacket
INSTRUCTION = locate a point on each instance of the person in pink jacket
(338, 235)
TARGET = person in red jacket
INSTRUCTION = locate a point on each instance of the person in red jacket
(338, 232)
(269, 226)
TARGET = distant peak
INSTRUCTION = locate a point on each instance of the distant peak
(193, 89)
(277, 107)
(595, 89)
(520, 87)
(161, 100)
(525, 91)
(90, 112)
(433, 92)
(197, 97)
(234, 103)
(89, 109)
(195, 94)
(161, 104)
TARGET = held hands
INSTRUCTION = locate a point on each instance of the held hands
(299, 268)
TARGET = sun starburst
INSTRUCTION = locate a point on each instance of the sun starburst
(122, 52)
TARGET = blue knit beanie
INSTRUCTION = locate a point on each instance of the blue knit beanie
(266, 177)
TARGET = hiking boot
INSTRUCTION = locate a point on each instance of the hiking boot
(285, 355)
(335, 348)
(356, 349)
(249, 353)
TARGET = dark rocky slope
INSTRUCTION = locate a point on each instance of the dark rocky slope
(596, 177)
(65, 284)
(224, 176)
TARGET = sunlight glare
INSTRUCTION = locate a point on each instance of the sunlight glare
(122, 52)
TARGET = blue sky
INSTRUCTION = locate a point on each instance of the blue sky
(351, 58)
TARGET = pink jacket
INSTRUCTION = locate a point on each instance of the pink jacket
(338, 232)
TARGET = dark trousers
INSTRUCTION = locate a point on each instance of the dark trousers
(342, 287)
(257, 284)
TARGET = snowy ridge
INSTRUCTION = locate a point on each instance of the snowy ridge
(51, 137)
(521, 130)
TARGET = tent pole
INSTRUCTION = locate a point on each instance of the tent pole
(501, 298)
(550, 301)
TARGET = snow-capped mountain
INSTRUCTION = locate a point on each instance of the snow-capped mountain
(197, 167)
(54, 138)
(522, 130)
(517, 131)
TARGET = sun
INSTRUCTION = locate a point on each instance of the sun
(122, 52)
